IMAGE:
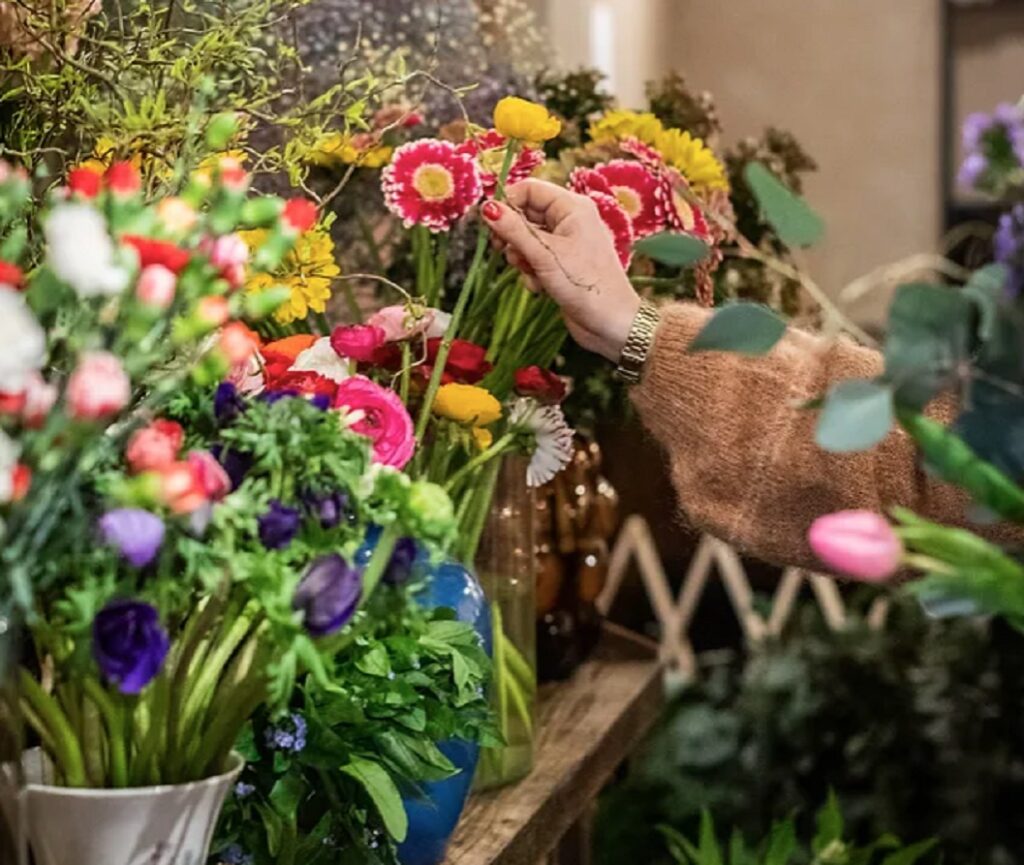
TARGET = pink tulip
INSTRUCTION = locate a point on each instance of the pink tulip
(156, 286)
(98, 388)
(858, 544)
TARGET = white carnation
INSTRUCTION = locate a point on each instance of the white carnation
(80, 252)
(23, 341)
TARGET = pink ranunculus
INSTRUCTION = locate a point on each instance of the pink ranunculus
(99, 387)
(154, 446)
(858, 544)
(210, 474)
(357, 341)
(378, 414)
(181, 487)
(398, 323)
(156, 286)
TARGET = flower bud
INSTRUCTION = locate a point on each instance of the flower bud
(857, 544)
(156, 286)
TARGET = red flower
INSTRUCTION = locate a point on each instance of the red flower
(122, 178)
(618, 223)
(21, 480)
(181, 487)
(210, 475)
(12, 403)
(154, 446)
(635, 186)
(232, 175)
(680, 214)
(152, 251)
(542, 384)
(238, 343)
(488, 150)
(358, 341)
(305, 383)
(99, 387)
(299, 214)
(467, 361)
(85, 182)
(429, 182)
(11, 275)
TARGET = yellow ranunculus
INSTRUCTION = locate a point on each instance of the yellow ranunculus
(467, 404)
(482, 437)
(524, 120)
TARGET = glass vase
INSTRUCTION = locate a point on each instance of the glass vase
(506, 566)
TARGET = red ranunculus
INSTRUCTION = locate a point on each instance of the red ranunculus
(299, 214)
(122, 178)
(542, 384)
(181, 487)
(21, 481)
(467, 361)
(305, 383)
(85, 182)
(11, 275)
(151, 251)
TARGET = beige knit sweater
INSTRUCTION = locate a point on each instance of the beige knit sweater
(742, 452)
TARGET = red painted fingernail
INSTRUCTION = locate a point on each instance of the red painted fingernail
(492, 211)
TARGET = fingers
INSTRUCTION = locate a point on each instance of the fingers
(512, 230)
(543, 203)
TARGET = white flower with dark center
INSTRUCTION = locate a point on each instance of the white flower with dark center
(322, 359)
(81, 253)
(23, 341)
(552, 437)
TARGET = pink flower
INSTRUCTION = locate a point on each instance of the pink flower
(181, 487)
(617, 222)
(681, 215)
(154, 446)
(238, 343)
(488, 150)
(210, 475)
(98, 388)
(430, 183)
(357, 341)
(859, 544)
(636, 187)
(378, 414)
(213, 310)
(156, 286)
(229, 254)
(40, 397)
(399, 323)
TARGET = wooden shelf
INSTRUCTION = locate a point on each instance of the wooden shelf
(588, 726)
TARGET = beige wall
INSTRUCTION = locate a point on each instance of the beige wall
(856, 80)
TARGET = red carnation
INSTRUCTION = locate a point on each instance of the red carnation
(542, 384)
(151, 251)
(122, 178)
(85, 182)
(300, 214)
(10, 274)
(467, 361)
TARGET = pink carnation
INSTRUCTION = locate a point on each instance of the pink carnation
(357, 341)
(430, 183)
(398, 322)
(98, 388)
(488, 150)
(378, 414)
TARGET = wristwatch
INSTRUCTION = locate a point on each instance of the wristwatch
(638, 344)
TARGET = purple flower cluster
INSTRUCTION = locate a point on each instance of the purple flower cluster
(129, 644)
(279, 525)
(328, 508)
(1008, 246)
(328, 595)
(994, 143)
(288, 736)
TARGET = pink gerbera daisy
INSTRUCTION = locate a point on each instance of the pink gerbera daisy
(430, 183)
(635, 186)
(644, 152)
(618, 223)
(680, 214)
(488, 149)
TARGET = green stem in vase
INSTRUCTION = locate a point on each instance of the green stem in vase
(113, 719)
(67, 750)
(480, 460)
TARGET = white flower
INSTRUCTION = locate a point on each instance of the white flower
(23, 341)
(80, 251)
(552, 437)
(8, 461)
(439, 325)
(322, 359)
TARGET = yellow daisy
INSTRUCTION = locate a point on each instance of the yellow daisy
(693, 158)
(307, 271)
(616, 125)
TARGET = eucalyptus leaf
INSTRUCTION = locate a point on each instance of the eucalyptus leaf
(745, 328)
(986, 289)
(672, 249)
(791, 217)
(857, 415)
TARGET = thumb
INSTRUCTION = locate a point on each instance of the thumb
(521, 236)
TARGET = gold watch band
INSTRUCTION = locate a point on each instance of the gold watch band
(638, 343)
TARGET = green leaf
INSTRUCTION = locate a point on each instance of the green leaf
(286, 794)
(382, 790)
(829, 822)
(672, 249)
(986, 289)
(679, 846)
(781, 844)
(857, 415)
(746, 328)
(909, 855)
(791, 217)
(929, 332)
(709, 852)
(375, 662)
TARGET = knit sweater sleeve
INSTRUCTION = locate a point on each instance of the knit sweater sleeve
(741, 448)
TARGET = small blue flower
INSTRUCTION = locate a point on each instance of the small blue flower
(243, 790)
(288, 736)
(233, 854)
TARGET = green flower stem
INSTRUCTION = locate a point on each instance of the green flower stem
(379, 562)
(67, 751)
(187, 650)
(500, 644)
(406, 372)
(478, 517)
(440, 270)
(480, 460)
(218, 739)
(93, 743)
(113, 719)
(421, 254)
(156, 708)
(506, 166)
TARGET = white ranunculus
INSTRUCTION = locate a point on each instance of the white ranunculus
(80, 252)
(22, 342)
(8, 460)
(322, 359)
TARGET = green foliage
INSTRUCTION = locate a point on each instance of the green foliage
(780, 847)
(796, 223)
(745, 328)
(673, 249)
(857, 414)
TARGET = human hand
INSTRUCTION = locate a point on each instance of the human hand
(557, 238)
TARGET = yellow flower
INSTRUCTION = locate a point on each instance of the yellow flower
(467, 403)
(307, 271)
(483, 437)
(524, 120)
(106, 152)
(615, 125)
(694, 159)
(344, 149)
